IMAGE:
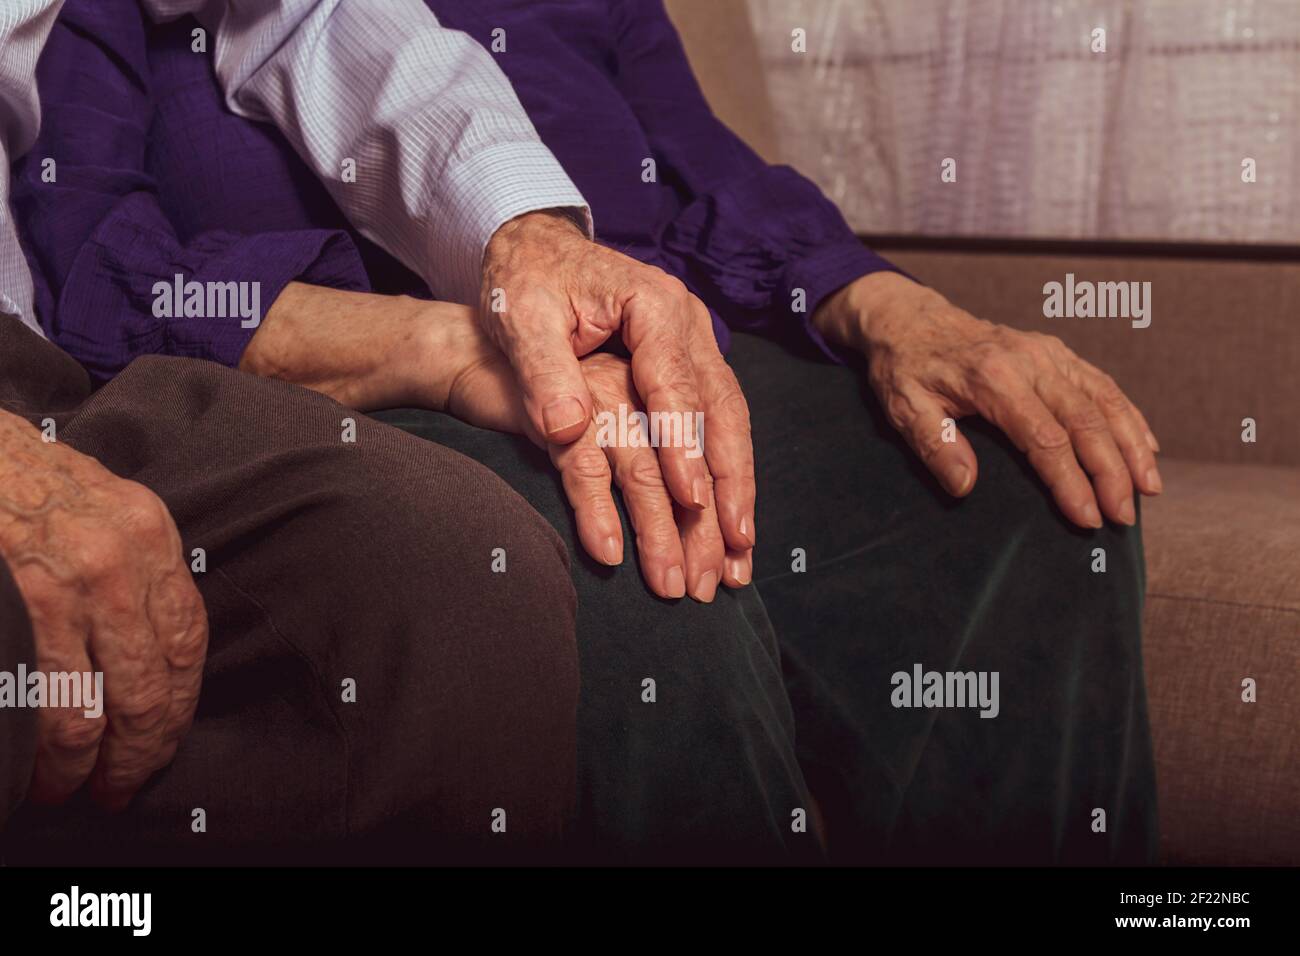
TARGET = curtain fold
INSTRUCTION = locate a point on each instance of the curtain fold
(1051, 138)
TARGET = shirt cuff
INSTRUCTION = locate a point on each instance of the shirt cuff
(127, 294)
(272, 260)
(491, 187)
(826, 271)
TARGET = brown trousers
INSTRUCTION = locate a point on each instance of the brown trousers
(327, 562)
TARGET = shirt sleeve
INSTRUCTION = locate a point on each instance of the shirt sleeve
(758, 240)
(24, 26)
(112, 278)
(416, 133)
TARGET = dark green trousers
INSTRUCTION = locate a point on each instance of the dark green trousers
(865, 570)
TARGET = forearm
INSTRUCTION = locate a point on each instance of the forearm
(363, 350)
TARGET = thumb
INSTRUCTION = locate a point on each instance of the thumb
(552, 384)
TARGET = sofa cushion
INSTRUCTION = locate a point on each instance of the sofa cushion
(1223, 605)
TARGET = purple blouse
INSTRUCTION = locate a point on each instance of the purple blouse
(155, 178)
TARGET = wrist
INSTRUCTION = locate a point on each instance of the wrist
(868, 309)
(363, 350)
(541, 225)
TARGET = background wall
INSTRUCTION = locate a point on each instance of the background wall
(1051, 139)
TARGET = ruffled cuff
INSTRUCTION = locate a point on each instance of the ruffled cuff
(135, 291)
(773, 248)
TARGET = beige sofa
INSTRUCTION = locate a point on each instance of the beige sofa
(1222, 542)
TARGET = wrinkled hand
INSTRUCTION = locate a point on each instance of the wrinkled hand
(681, 550)
(929, 360)
(550, 296)
(98, 562)
(376, 351)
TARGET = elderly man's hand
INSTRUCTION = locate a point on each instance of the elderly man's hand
(550, 296)
(680, 550)
(929, 361)
(98, 562)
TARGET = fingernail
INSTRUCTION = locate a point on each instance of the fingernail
(1151, 440)
(613, 553)
(958, 479)
(747, 530)
(699, 492)
(1126, 513)
(561, 414)
(706, 587)
(1091, 516)
(1153, 481)
(738, 571)
(675, 581)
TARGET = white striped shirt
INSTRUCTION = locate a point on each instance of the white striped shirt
(442, 150)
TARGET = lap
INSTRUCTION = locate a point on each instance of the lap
(707, 769)
(329, 563)
(868, 568)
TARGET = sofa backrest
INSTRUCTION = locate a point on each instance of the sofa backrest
(1224, 339)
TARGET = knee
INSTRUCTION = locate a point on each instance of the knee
(1097, 576)
(471, 638)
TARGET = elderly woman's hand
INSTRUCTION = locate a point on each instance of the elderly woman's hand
(930, 361)
(681, 550)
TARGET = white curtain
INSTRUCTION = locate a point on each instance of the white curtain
(1144, 141)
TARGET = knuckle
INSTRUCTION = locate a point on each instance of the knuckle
(1111, 397)
(75, 733)
(1037, 344)
(123, 775)
(189, 647)
(899, 411)
(657, 537)
(100, 556)
(928, 444)
(141, 509)
(1085, 418)
(671, 286)
(993, 367)
(730, 403)
(710, 552)
(143, 710)
(704, 320)
(1117, 473)
(673, 383)
(642, 473)
(1049, 435)
(588, 466)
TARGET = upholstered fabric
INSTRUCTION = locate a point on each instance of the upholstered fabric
(1223, 606)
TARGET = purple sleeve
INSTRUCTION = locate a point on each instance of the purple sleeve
(751, 234)
(95, 236)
